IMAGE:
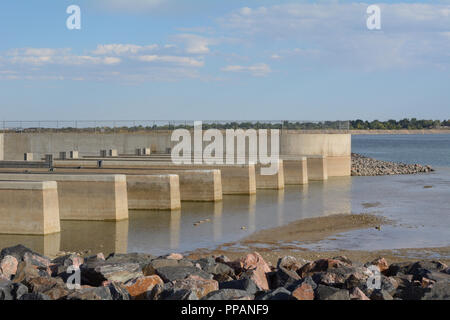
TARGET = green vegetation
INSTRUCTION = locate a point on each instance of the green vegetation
(410, 124)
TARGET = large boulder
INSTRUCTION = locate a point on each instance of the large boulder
(139, 287)
(179, 272)
(330, 293)
(90, 293)
(95, 273)
(8, 267)
(228, 294)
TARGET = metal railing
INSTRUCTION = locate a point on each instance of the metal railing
(130, 126)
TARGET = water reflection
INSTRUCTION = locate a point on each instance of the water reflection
(159, 232)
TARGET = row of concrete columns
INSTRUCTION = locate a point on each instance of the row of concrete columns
(77, 189)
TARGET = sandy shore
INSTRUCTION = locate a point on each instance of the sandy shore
(286, 241)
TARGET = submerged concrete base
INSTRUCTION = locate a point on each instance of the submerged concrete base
(274, 181)
(295, 171)
(317, 168)
(29, 207)
(85, 197)
(339, 166)
(158, 192)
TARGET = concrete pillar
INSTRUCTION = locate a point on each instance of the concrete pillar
(201, 185)
(62, 155)
(29, 207)
(295, 171)
(275, 181)
(339, 166)
(103, 153)
(74, 155)
(113, 153)
(317, 168)
(85, 197)
(28, 156)
(159, 192)
(138, 152)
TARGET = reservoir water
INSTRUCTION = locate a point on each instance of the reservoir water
(421, 216)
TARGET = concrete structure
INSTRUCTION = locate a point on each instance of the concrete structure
(85, 197)
(317, 168)
(74, 154)
(160, 192)
(295, 170)
(236, 179)
(63, 155)
(113, 153)
(29, 207)
(275, 181)
(28, 156)
(335, 146)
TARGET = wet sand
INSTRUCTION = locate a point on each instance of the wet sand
(287, 240)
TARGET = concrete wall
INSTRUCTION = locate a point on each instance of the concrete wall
(295, 171)
(1, 146)
(29, 207)
(317, 168)
(85, 197)
(274, 181)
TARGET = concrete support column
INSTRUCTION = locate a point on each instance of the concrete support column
(317, 168)
(295, 171)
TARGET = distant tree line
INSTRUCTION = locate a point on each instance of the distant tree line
(411, 124)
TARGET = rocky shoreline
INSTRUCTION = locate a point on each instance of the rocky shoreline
(365, 166)
(27, 275)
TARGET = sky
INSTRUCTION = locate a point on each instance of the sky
(224, 60)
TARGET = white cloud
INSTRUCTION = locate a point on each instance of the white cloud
(195, 44)
(120, 49)
(185, 61)
(257, 70)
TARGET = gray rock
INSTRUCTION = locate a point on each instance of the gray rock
(180, 272)
(308, 280)
(34, 296)
(277, 294)
(245, 284)
(323, 292)
(228, 294)
(439, 291)
(99, 293)
(380, 295)
(140, 258)
(118, 291)
(283, 278)
(94, 273)
(18, 252)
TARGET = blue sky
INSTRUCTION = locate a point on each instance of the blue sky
(210, 59)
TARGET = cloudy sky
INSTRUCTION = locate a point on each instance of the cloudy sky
(224, 60)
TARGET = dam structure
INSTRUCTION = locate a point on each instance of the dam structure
(98, 174)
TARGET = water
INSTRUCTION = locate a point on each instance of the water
(421, 215)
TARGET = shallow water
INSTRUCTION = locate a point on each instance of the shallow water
(421, 215)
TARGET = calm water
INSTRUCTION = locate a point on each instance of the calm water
(421, 215)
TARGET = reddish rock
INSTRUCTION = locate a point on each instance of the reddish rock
(357, 294)
(303, 292)
(381, 263)
(199, 286)
(174, 256)
(139, 287)
(254, 262)
(320, 265)
(8, 266)
(427, 283)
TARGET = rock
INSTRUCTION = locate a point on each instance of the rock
(255, 263)
(330, 293)
(307, 280)
(6, 290)
(222, 259)
(17, 252)
(58, 292)
(439, 291)
(34, 296)
(90, 293)
(396, 268)
(357, 294)
(96, 272)
(26, 272)
(155, 264)
(304, 291)
(228, 294)
(8, 266)
(422, 269)
(210, 265)
(284, 277)
(68, 260)
(180, 272)
(381, 295)
(43, 284)
(290, 263)
(344, 260)
(142, 259)
(320, 265)
(138, 288)
(381, 263)
(118, 291)
(199, 286)
(244, 284)
(337, 277)
(277, 294)
(174, 256)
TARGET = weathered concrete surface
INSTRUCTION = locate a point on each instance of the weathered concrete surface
(85, 197)
(159, 192)
(317, 168)
(236, 179)
(339, 166)
(332, 145)
(2, 146)
(295, 170)
(274, 181)
(29, 207)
